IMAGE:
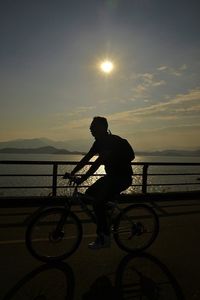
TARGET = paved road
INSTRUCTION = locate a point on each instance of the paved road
(170, 269)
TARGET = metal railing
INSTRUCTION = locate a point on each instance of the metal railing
(143, 178)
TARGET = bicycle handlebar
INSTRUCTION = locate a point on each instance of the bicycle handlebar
(68, 176)
(72, 178)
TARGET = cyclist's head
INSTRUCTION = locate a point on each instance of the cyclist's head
(99, 126)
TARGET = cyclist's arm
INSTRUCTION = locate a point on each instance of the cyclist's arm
(83, 162)
(96, 164)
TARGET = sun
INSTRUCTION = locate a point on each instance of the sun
(106, 66)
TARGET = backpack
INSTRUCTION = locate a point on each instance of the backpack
(126, 151)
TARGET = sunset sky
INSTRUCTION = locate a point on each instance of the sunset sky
(51, 84)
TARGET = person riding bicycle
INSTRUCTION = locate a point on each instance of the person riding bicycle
(116, 154)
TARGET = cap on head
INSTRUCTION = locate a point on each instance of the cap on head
(99, 127)
(100, 122)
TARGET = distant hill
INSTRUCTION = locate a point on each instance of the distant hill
(26, 143)
(53, 150)
(71, 145)
(172, 153)
(47, 146)
(41, 150)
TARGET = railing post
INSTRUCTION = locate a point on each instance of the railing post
(144, 178)
(54, 185)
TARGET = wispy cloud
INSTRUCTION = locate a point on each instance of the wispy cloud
(193, 95)
(145, 83)
(175, 105)
(173, 71)
(80, 111)
(172, 127)
(194, 108)
(170, 110)
(149, 79)
(181, 136)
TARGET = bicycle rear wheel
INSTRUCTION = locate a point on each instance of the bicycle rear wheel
(136, 228)
(47, 241)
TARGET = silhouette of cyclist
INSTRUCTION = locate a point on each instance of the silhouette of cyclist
(116, 154)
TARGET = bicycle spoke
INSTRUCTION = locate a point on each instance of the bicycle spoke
(51, 236)
(136, 228)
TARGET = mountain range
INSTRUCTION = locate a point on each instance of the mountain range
(75, 145)
(41, 150)
(47, 146)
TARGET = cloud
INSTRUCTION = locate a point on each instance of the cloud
(183, 67)
(145, 83)
(169, 137)
(173, 71)
(194, 109)
(169, 110)
(180, 99)
(172, 127)
(79, 111)
(173, 114)
(148, 80)
(162, 68)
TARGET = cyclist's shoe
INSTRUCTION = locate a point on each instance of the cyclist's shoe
(102, 241)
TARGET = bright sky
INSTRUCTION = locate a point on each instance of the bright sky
(51, 83)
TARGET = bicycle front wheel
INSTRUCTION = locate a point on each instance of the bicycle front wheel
(53, 235)
(136, 228)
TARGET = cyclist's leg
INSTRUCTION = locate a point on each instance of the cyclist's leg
(109, 188)
(112, 187)
(103, 190)
(99, 191)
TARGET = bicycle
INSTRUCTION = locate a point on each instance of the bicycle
(56, 233)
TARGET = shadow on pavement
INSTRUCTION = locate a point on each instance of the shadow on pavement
(49, 281)
(142, 277)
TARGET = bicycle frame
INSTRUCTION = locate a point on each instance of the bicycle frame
(76, 196)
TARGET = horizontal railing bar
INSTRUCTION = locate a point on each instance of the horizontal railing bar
(30, 162)
(171, 174)
(150, 184)
(26, 175)
(170, 184)
(39, 187)
(60, 175)
(39, 175)
(37, 162)
(85, 186)
(27, 187)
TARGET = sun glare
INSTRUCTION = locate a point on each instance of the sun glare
(106, 66)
